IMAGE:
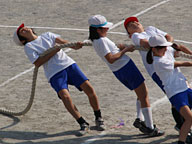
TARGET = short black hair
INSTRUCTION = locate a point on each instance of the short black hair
(93, 34)
(149, 56)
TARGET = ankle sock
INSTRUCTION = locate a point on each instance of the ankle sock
(97, 114)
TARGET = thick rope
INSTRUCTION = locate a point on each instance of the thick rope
(35, 72)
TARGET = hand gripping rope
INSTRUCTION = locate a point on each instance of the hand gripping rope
(35, 72)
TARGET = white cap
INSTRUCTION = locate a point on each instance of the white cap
(15, 36)
(99, 21)
(158, 40)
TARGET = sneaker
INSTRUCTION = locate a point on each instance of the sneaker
(100, 124)
(188, 139)
(151, 132)
(138, 123)
(84, 128)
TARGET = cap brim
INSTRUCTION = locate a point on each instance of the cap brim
(167, 44)
(21, 26)
(108, 25)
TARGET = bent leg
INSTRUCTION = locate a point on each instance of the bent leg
(142, 94)
(89, 91)
(67, 101)
(187, 114)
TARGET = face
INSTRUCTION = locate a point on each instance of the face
(103, 31)
(133, 27)
(25, 32)
(159, 51)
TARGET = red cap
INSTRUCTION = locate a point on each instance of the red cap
(130, 19)
(21, 26)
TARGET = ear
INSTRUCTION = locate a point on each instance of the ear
(23, 41)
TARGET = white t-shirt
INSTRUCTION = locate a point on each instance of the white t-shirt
(55, 64)
(103, 46)
(136, 37)
(173, 80)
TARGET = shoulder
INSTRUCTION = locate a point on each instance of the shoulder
(150, 28)
(50, 34)
(135, 35)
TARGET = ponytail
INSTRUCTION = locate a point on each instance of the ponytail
(93, 34)
(149, 57)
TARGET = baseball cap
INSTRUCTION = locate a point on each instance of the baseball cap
(158, 40)
(130, 19)
(15, 35)
(99, 21)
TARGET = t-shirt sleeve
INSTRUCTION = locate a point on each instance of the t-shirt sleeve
(166, 65)
(158, 31)
(104, 47)
(136, 37)
(31, 53)
(53, 36)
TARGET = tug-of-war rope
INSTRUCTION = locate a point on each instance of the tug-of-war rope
(35, 72)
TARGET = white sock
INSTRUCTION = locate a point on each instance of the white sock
(139, 110)
(148, 117)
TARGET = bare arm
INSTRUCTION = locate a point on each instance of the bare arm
(59, 40)
(41, 60)
(182, 63)
(182, 48)
(111, 58)
(144, 43)
(169, 38)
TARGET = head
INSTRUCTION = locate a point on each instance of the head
(158, 44)
(132, 25)
(23, 35)
(98, 27)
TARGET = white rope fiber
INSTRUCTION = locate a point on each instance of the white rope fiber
(35, 72)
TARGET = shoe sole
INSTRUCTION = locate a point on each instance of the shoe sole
(82, 133)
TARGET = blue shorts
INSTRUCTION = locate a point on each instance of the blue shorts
(71, 75)
(157, 80)
(181, 99)
(130, 76)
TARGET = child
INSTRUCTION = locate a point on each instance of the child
(140, 37)
(60, 71)
(122, 67)
(173, 80)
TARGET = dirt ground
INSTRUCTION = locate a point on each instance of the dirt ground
(48, 122)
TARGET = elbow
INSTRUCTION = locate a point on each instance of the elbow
(111, 61)
(37, 63)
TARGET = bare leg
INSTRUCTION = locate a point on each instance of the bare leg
(187, 114)
(67, 101)
(142, 95)
(89, 91)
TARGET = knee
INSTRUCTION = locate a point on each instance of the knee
(64, 96)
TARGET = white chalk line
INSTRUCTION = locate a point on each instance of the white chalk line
(140, 13)
(24, 72)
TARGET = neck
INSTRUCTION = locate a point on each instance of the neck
(32, 38)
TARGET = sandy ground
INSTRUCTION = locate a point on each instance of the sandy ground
(48, 121)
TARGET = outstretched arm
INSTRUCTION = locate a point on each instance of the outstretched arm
(169, 38)
(182, 63)
(41, 60)
(111, 58)
(59, 40)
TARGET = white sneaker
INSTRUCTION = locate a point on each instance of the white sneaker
(100, 124)
(84, 129)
